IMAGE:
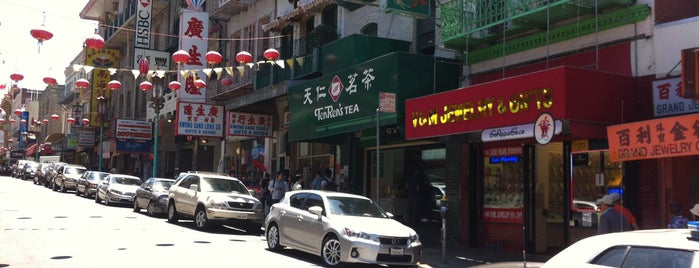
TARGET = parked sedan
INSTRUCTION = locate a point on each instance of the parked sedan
(340, 227)
(88, 182)
(67, 177)
(117, 188)
(153, 195)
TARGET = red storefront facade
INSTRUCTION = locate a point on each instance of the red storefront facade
(514, 192)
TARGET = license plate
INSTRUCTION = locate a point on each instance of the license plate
(395, 251)
(242, 216)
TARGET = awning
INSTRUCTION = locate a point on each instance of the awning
(45, 150)
(55, 137)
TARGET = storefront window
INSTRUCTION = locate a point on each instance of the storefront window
(503, 182)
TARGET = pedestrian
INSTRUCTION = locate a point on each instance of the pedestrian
(277, 188)
(678, 220)
(317, 183)
(299, 184)
(611, 220)
(328, 182)
(630, 218)
(695, 212)
(114, 170)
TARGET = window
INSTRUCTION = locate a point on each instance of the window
(297, 200)
(371, 29)
(313, 200)
(644, 257)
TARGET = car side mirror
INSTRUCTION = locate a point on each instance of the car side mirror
(316, 210)
(390, 215)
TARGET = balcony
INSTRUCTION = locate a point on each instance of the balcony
(225, 9)
(472, 25)
(243, 79)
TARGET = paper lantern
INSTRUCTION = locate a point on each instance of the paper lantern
(23, 121)
(145, 86)
(70, 120)
(45, 121)
(86, 121)
(54, 117)
(180, 57)
(94, 41)
(2, 120)
(50, 81)
(271, 54)
(213, 57)
(16, 77)
(174, 85)
(12, 120)
(243, 57)
(199, 83)
(114, 85)
(226, 81)
(143, 66)
(41, 34)
(18, 112)
(82, 83)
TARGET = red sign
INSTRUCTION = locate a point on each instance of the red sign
(658, 138)
(336, 88)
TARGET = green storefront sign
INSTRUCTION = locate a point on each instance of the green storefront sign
(346, 100)
(410, 8)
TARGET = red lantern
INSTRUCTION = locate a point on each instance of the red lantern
(2, 120)
(54, 117)
(213, 57)
(95, 41)
(23, 121)
(143, 66)
(199, 83)
(227, 81)
(86, 121)
(271, 54)
(174, 85)
(45, 121)
(145, 86)
(12, 120)
(18, 112)
(50, 81)
(41, 34)
(16, 77)
(243, 57)
(114, 85)
(70, 120)
(82, 83)
(180, 57)
(3, 86)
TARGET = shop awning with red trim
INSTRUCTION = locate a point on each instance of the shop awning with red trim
(585, 98)
(45, 150)
(259, 165)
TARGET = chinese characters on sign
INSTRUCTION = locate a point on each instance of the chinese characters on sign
(253, 125)
(658, 138)
(198, 119)
(194, 29)
(667, 100)
(335, 91)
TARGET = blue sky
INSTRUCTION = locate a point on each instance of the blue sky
(19, 51)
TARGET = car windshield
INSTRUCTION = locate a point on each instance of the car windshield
(76, 171)
(161, 186)
(98, 176)
(126, 181)
(223, 185)
(32, 165)
(351, 206)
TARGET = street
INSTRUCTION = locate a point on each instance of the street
(42, 228)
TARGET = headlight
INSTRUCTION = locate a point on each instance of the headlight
(217, 204)
(116, 191)
(353, 233)
(414, 238)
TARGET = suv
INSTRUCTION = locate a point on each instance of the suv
(212, 197)
(67, 176)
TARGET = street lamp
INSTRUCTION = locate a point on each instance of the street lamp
(157, 102)
(102, 112)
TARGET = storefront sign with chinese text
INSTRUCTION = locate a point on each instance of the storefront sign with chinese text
(198, 119)
(102, 60)
(658, 138)
(252, 125)
(667, 100)
(194, 33)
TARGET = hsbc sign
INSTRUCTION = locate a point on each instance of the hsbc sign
(144, 12)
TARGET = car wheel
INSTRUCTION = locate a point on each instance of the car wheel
(63, 187)
(106, 199)
(53, 186)
(150, 209)
(97, 198)
(77, 191)
(172, 216)
(135, 206)
(330, 252)
(200, 219)
(273, 237)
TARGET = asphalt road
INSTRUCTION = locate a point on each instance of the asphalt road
(43, 228)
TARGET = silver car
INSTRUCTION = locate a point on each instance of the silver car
(340, 227)
(117, 188)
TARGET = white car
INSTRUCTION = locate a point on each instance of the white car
(340, 227)
(117, 188)
(210, 198)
